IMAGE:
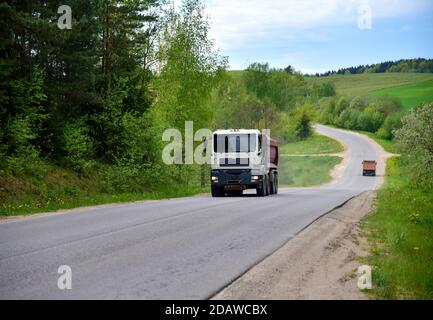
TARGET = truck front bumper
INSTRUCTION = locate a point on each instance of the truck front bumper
(235, 179)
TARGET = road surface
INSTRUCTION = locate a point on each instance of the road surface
(186, 248)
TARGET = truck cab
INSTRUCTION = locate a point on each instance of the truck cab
(243, 159)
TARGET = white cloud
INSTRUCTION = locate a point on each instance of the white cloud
(239, 22)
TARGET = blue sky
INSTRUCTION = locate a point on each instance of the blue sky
(319, 35)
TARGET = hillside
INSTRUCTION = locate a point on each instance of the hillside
(409, 87)
(410, 94)
(359, 84)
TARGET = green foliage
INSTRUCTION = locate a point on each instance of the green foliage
(323, 89)
(379, 115)
(370, 119)
(79, 146)
(97, 98)
(391, 123)
(403, 65)
(400, 236)
(282, 89)
(302, 122)
(415, 140)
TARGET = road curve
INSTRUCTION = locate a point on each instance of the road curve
(187, 248)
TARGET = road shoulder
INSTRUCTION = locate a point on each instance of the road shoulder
(319, 263)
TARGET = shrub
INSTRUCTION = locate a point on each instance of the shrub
(415, 140)
(369, 120)
(79, 146)
(391, 123)
(349, 119)
(358, 103)
(327, 89)
(387, 105)
(302, 121)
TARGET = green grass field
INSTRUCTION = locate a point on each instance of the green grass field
(410, 95)
(400, 234)
(364, 84)
(306, 171)
(317, 144)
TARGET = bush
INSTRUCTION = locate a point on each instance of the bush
(349, 119)
(302, 122)
(391, 123)
(415, 140)
(26, 164)
(358, 103)
(327, 113)
(79, 146)
(369, 120)
(387, 105)
(327, 89)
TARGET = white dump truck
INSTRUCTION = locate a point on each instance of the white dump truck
(243, 159)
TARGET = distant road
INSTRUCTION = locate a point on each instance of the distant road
(187, 248)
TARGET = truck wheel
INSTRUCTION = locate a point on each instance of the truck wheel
(217, 191)
(260, 191)
(273, 184)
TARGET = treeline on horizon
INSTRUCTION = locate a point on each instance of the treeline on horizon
(419, 65)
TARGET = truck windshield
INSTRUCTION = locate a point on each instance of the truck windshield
(223, 143)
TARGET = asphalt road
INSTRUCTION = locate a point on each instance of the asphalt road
(186, 248)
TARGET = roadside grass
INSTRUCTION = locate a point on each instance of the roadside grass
(306, 171)
(316, 144)
(400, 236)
(58, 188)
(365, 84)
(411, 95)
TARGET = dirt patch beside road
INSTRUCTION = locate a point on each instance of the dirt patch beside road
(319, 263)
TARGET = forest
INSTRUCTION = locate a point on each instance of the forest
(404, 65)
(83, 110)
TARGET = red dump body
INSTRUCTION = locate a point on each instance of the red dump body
(274, 154)
(369, 167)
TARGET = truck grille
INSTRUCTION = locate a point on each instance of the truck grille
(234, 162)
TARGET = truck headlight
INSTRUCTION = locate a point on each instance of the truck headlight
(214, 179)
(254, 178)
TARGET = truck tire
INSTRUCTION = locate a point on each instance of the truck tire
(260, 190)
(273, 184)
(266, 185)
(217, 191)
